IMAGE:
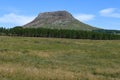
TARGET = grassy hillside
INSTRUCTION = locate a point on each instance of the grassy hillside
(73, 25)
(58, 59)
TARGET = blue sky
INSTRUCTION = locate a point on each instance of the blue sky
(99, 13)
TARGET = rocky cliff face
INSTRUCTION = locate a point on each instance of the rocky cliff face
(57, 20)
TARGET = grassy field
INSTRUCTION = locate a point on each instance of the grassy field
(25, 58)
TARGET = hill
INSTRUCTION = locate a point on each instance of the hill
(58, 20)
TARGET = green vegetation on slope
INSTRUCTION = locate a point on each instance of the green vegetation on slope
(58, 59)
(73, 25)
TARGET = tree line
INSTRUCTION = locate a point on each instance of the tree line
(57, 33)
(108, 31)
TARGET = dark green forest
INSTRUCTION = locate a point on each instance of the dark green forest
(59, 33)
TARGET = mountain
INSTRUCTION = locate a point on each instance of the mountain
(58, 20)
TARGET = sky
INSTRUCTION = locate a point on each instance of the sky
(98, 13)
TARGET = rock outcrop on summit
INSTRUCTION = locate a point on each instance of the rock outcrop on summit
(58, 20)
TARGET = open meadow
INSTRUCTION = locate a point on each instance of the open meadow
(29, 58)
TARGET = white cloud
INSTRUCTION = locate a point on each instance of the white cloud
(110, 12)
(15, 19)
(84, 17)
(107, 11)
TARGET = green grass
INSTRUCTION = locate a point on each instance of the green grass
(26, 58)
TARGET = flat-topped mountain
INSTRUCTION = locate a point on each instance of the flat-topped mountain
(58, 20)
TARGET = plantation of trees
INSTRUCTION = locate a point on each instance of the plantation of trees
(58, 33)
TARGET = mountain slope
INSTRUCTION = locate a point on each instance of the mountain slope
(58, 20)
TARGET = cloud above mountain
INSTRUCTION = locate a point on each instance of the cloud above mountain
(13, 18)
(110, 12)
(84, 17)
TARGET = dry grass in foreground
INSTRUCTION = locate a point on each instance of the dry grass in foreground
(25, 58)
